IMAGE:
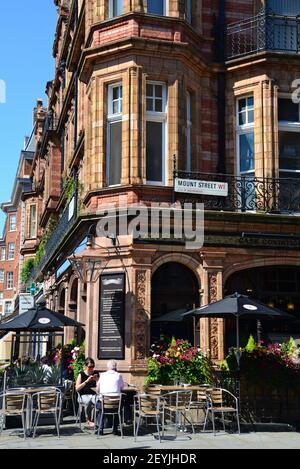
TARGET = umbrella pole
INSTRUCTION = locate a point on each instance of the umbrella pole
(238, 356)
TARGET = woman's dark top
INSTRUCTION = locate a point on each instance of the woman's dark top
(87, 389)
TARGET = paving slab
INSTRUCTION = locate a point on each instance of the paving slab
(73, 438)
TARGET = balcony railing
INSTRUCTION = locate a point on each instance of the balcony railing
(246, 193)
(264, 32)
(64, 226)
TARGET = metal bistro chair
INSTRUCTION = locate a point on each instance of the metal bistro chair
(199, 404)
(83, 406)
(178, 403)
(148, 406)
(47, 402)
(13, 405)
(221, 401)
(110, 404)
(69, 396)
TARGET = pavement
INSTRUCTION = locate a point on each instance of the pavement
(73, 438)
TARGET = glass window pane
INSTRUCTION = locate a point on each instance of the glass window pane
(150, 104)
(250, 101)
(287, 110)
(250, 117)
(154, 151)
(242, 118)
(158, 91)
(242, 105)
(156, 7)
(150, 90)
(158, 105)
(115, 153)
(247, 162)
(289, 150)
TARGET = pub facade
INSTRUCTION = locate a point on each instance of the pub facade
(169, 103)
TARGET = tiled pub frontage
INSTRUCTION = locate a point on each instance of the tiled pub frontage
(165, 102)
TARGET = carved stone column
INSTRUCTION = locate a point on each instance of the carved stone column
(141, 326)
(212, 330)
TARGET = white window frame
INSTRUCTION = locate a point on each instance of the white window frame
(243, 130)
(111, 9)
(9, 280)
(2, 275)
(3, 254)
(154, 116)
(113, 118)
(11, 252)
(287, 126)
(30, 222)
(15, 223)
(6, 304)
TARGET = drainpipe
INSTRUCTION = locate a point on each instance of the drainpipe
(75, 110)
(221, 84)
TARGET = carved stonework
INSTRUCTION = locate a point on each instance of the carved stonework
(214, 326)
(141, 321)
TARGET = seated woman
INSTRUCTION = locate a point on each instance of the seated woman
(87, 379)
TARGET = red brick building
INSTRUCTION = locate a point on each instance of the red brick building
(136, 83)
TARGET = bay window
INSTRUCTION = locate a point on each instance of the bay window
(114, 135)
(156, 118)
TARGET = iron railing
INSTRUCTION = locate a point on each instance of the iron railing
(63, 228)
(263, 32)
(246, 193)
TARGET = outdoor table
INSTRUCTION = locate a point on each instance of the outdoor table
(28, 392)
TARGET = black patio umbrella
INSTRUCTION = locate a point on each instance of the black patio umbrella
(39, 319)
(238, 306)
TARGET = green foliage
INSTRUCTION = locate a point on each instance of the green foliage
(37, 374)
(69, 187)
(27, 269)
(54, 376)
(178, 361)
(271, 365)
(251, 345)
(52, 223)
(77, 365)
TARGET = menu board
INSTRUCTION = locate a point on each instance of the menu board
(111, 343)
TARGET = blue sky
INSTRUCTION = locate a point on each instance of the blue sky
(27, 31)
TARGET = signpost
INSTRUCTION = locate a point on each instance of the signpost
(194, 186)
(26, 301)
(111, 343)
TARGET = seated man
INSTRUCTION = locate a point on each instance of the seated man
(110, 382)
